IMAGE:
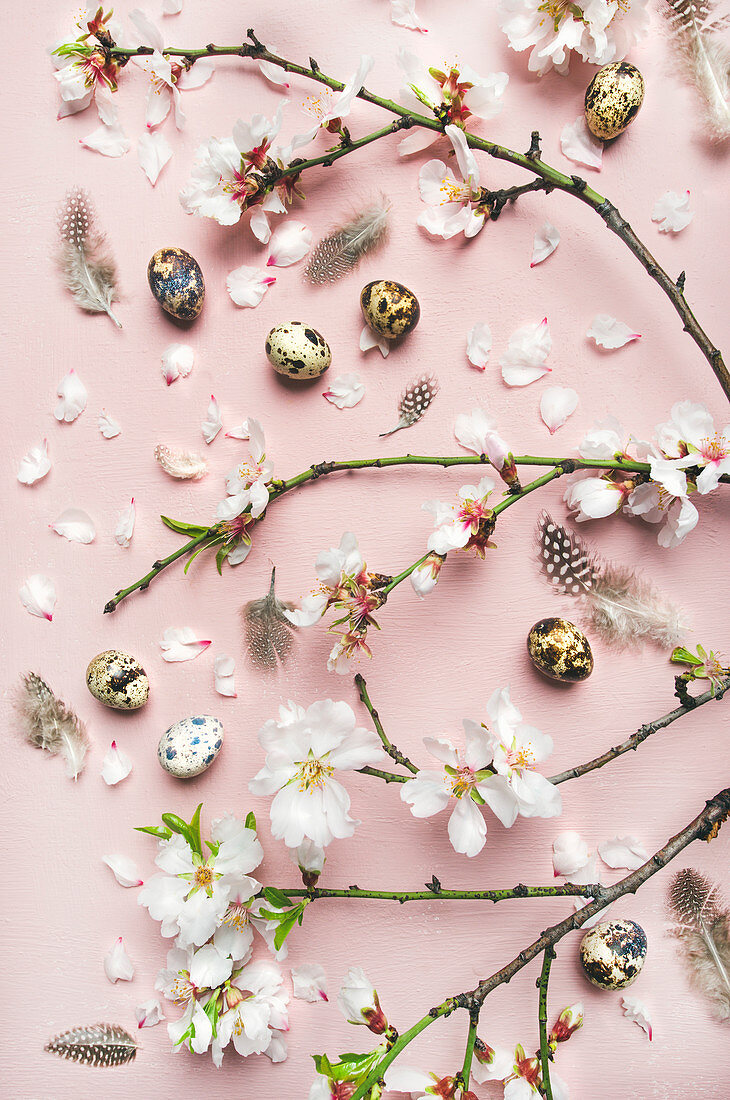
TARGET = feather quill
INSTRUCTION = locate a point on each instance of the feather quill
(340, 252)
(268, 631)
(697, 35)
(88, 269)
(98, 1045)
(50, 725)
(624, 607)
(414, 401)
(703, 930)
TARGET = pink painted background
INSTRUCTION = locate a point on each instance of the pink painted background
(435, 661)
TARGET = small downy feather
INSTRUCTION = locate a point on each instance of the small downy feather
(268, 631)
(183, 465)
(340, 252)
(98, 1045)
(48, 724)
(703, 931)
(414, 401)
(88, 268)
(624, 607)
(697, 35)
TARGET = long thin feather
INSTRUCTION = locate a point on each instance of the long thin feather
(703, 930)
(88, 268)
(50, 725)
(414, 401)
(268, 631)
(624, 607)
(698, 38)
(98, 1045)
(341, 251)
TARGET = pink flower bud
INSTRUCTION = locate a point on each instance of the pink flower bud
(569, 1020)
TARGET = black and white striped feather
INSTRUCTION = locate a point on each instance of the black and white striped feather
(700, 36)
(414, 401)
(703, 931)
(340, 252)
(89, 272)
(623, 606)
(98, 1045)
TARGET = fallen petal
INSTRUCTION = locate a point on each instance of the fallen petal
(116, 766)
(479, 345)
(579, 145)
(623, 851)
(72, 392)
(556, 405)
(177, 362)
(370, 339)
(610, 333)
(672, 212)
(124, 870)
(345, 391)
(38, 596)
(212, 423)
(110, 141)
(241, 432)
(403, 14)
(34, 465)
(117, 963)
(153, 153)
(528, 348)
(125, 525)
(637, 1011)
(309, 982)
(223, 670)
(570, 853)
(247, 285)
(74, 525)
(149, 1013)
(181, 644)
(546, 241)
(107, 425)
(289, 244)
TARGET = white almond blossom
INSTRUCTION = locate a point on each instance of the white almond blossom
(465, 525)
(690, 437)
(610, 333)
(177, 362)
(358, 1001)
(168, 77)
(524, 360)
(182, 644)
(578, 144)
(256, 1013)
(247, 287)
(75, 525)
(73, 394)
(153, 153)
(116, 766)
(479, 345)
(477, 432)
(38, 596)
(247, 483)
(34, 465)
(345, 391)
(117, 963)
(674, 512)
(454, 205)
(125, 526)
(310, 859)
(304, 750)
(595, 498)
(83, 72)
(518, 749)
(425, 577)
(334, 568)
(672, 212)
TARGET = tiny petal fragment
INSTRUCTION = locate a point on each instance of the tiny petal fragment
(153, 153)
(212, 423)
(34, 465)
(370, 339)
(116, 766)
(546, 241)
(181, 644)
(149, 1013)
(38, 596)
(110, 141)
(223, 670)
(108, 425)
(479, 345)
(75, 525)
(623, 851)
(579, 145)
(528, 348)
(290, 243)
(637, 1011)
(610, 333)
(345, 391)
(125, 525)
(72, 392)
(556, 405)
(672, 212)
(177, 362)
(403, 14)
(247, 285)
(310, 982)
(124, 870)
(117, 963)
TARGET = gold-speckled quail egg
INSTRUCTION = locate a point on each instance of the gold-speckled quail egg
(613, 99)
(298, 351)
(118, 680)
(560, 650)
(391, 309)
(612, 954)
(177, 282)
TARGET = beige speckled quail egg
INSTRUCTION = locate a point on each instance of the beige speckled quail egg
(613, 99)
(613, 953)
(391, 309)
(298, 351)
(118, 680)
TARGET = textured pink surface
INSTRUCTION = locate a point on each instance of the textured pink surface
(434, 661)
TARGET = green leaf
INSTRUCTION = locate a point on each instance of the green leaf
(221, 557)
(182, 528)
(251, 820)
(194, 555)
(211, 1011)
(177, 825)
(322, 1064)
(195, 829)
(277, 897)
(285, 926)
(682, 656)
(154, 830)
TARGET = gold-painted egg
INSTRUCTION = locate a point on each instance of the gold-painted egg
(613, 99)
(391, 309)
(177, 282)
(612, 954)
(560, 651)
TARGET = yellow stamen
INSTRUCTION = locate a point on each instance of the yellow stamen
(313, 773)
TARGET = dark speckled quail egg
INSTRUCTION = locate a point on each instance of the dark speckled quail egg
(560, 650)
(612, 954)
(613, 99)
(177, 282)
(117, 680)
(391, 309)
(298, 351)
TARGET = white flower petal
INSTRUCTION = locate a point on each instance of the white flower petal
(345, 391)
(289, 244)
(212, 423)
(403, 14)
(72, 392)
(149, 1013)
(672, 212)
(260, 225)
(556, 405)
(579, 145)
(107, 425)
(610, 333)
(38, 596)
(274, 73)
(181, 644)
(124, 870)
(570, 853)
(110, 141)
(241, 432)
(153, 153)
(75, 525)
(370, 339)
(479, 345)
(546, 241)
(117, 963)
(637, 1011)
(177, 362)
(623, 851)
(528, 348)
(125, 525)
(309, 982)
(34, 465)
(247, 285)
(116, 766)
(223, 669)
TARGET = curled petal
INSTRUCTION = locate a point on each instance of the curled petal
(247, 285)
(72, 392)
(241, 432)
(38, 596)
(309, 982)
(117, 963)
(75, 525)
(289, 244)
(570, 853)
(177, 362)
(149, 1013)
(556, 405)
(672, 212)
(125, 525)
(345, 391)
(610, 333)
(34, 465)
(223, 669)
(124, 870)
(546, 241)
(212, 423)
(182, 644)
(116, 766)
(623, 851)
(479, 345)
(370, 339)
(107, 425)
(153, 153)
(403, 14)
(528, 348)
(637, 1011)
(110, 141)
(578, 144)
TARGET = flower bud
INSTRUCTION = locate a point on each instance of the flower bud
(358, 1002)
(569, 1020)
(424, 578)
(310, 859)
(232, 996)
(501, 459)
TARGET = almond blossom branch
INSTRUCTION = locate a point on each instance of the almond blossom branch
(567, 890)
(704, 827)
(392, 751)
(542, 985)
(471, 1038)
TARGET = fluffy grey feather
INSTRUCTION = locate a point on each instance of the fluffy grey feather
(703, 931)
(624, 607)
(98, 1045)
(88, 269)
(50, 725)
(697, 35)
(268, 631)
(414, 401)
(341, 251)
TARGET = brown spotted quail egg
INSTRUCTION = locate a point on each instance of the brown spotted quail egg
(613, 99)
(560, 650)
(612, 954)
(117, 680)
(298, 351)
(391, 309)
(177, 282)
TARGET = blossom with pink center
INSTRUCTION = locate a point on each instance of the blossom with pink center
(85, 74)
(690, 437)
(517, 749)
(167, 77)
(247, 484)
(465, 525)
(337, 569)
(596, 497)
(476, 432)
(454, 205)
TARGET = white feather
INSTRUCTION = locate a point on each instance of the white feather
(184, 465)
(697, 35)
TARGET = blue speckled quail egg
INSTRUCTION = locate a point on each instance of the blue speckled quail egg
(118, 680)
(613, 953)
(190, 746)
(613, 99)
(298, 351)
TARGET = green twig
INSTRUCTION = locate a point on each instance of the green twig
(392, 751)
(542, 985)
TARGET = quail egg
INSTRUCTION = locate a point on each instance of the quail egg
(391, 309)
(117, 680)
(298, 351)
(177, 282)
(612, 954)
(613, 99)
(560, 650)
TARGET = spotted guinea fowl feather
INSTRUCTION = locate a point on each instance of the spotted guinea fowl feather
(341, 251)
(268, 631)
(703, 930)
(98, 1045)
(88, 269)
(414, 401)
